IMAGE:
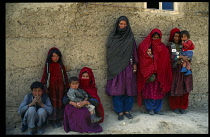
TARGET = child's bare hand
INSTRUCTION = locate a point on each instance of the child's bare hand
(34, 101)
(39, 100)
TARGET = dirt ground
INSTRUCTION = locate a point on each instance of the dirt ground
(193, 122)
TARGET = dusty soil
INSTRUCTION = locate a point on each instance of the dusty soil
(193, 122)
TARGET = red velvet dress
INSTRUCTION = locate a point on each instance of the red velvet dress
(56, 88)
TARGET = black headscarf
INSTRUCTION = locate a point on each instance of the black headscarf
(119, 48)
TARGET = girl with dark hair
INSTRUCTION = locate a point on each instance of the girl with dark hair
(122, 66)
(181, 84)
(56, 81)
(153, 89)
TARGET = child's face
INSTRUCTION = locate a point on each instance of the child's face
(184, 37)
(122, 24)
(155, 37)
(37, 92)
(85, 76)
(149, 51)
(176, 38)
(55, 57)
(74, 84)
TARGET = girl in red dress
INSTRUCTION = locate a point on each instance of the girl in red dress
(56, 81)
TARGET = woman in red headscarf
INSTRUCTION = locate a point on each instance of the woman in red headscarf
(154, 74)
(87, 83)
(78, 118)
(181, 84)
(56, 81)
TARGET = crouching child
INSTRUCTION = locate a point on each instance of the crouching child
(34, 109)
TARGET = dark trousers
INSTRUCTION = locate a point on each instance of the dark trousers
(122, 103)
(155, 105)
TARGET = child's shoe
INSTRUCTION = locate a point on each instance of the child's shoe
(40, 130)
(184, 69)
(151, 112)
(94, 118)
(31, 131)
(176, 111)
(188, 72)
(182, 111)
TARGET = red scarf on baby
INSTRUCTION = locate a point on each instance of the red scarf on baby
(160, 64)
(88, 85)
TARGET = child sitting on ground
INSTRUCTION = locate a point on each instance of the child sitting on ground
(76, 94)
(187, 48)
(35, 109)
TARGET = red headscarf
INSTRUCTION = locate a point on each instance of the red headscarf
(172, 34)
(88, 85)
(52, 49)
(160, 64)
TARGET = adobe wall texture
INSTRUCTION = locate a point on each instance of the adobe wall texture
(80, 31)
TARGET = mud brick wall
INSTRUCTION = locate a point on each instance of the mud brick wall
(80, 31)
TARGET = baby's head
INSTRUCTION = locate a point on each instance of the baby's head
(149, 51)
(185, 35)
(74, 82)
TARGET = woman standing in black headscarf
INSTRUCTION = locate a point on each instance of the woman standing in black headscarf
(122, 66)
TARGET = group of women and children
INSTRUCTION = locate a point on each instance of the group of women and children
(148, 72)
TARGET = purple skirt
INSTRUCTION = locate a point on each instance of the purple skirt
(123, 84)
(79, 120)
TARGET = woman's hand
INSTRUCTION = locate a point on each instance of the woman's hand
(134, 68)
(74, 104)
(184, 57)
(82, 103)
